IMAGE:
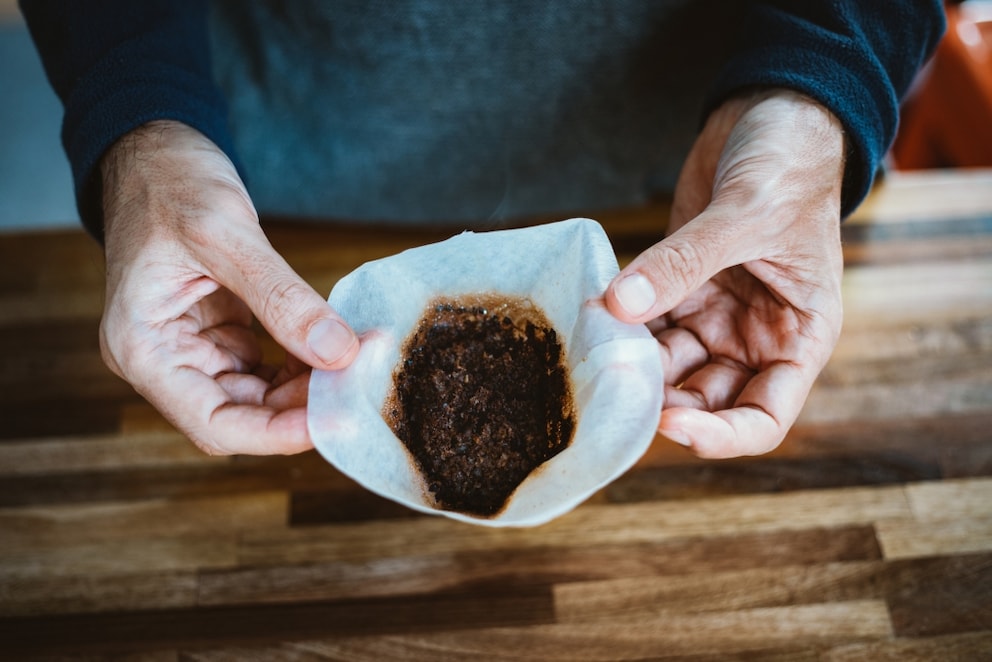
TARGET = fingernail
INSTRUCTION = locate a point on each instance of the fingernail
(329, 339)
(636, 294)
(677, 436)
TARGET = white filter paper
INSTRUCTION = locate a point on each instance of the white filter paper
(563, 268)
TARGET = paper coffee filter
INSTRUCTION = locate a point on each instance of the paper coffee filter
(563, 268)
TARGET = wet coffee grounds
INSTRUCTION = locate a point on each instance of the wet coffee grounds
(480, 399)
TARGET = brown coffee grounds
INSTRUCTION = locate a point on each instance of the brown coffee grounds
(481, 398)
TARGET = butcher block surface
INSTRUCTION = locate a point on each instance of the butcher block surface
(866, 536)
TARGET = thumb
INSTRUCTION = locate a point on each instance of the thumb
(666, 274)
(296, 316)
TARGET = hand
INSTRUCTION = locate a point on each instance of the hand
(187, 264)
(744, 294)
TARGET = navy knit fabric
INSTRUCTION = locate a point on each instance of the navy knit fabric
(857, 58)
(464, 114)
(118, 64)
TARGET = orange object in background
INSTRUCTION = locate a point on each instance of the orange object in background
(947, 120)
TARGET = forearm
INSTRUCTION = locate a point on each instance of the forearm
(117, 65)
(855, 58)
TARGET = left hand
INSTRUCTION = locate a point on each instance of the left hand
(187, 266)
(744, 294)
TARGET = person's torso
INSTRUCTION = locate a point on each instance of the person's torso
(434, 111)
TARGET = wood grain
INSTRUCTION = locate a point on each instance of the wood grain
(866, 536)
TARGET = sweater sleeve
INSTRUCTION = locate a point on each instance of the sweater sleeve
(856, 58)
(117, 64)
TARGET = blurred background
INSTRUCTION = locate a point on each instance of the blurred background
(947, 117)
(947, 120)
(35, 181)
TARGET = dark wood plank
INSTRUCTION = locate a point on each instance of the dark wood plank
(62, 416)
(238, 475)
(943, 595)
(348, 504)
(150, 630)
(965, 647)
(769, 475)
(481, 571)
(673, 636)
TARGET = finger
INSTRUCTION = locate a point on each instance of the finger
(723, 434)
(272, 431)
(663, 276)
(767, 407)
(277, 375)
(243, 389)
(239, 342)
(292, 393)
(298, 318)
(253, 390)
(220, 425)
(715, 386)
(682, 354)
(143, 361)
(657, 325)
(220, 307)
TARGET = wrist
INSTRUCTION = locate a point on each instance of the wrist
(797, 143)
(805, 110)
(159, 170)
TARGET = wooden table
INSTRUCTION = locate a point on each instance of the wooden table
(866, 536)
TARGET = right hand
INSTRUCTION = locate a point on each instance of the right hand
(744, 295)
(187, 265)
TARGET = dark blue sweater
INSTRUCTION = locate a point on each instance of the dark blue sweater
(118, 64)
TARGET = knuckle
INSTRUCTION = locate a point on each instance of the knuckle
(278, 300)
(680, 261)
(281, 298)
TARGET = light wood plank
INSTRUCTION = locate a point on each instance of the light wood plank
(905, 293)
(970, 393)
(88, 593)
(940, 337)
(949, 517)
(635, 597)
(951, 499)
(912, 538)
(918, 249)
(119, 557)
(66, 524)
(927, 195)
(588, 525)
(72, 454)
